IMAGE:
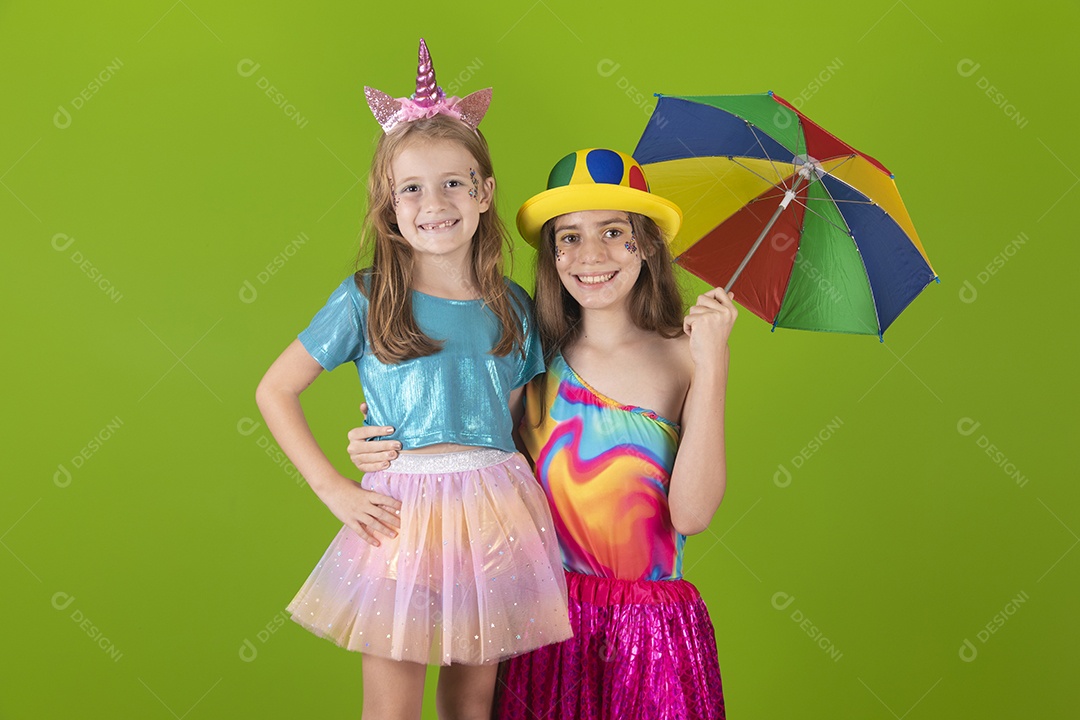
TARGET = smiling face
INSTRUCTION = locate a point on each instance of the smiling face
(438, 197)
(596, 256)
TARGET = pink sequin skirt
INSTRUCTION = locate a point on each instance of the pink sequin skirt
(473, 577)
(642, 650)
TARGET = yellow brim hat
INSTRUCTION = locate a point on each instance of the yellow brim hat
(596, 179)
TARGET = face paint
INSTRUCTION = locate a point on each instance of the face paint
(475, 192)
(599, 263)
(631, 245)
(434, 212)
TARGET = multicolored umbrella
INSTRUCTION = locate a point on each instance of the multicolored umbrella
(809, 232)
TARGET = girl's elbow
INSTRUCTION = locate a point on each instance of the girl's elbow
(690, 523)
(265, 393)
(693, 518)
(261, 392)
(688, 530)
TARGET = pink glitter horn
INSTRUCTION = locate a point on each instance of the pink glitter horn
(427, 91)
(429, 100)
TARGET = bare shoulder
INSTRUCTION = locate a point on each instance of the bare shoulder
(677, 354)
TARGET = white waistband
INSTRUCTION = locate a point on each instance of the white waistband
(448, 462)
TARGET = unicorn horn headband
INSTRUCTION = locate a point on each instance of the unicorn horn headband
(428, 101)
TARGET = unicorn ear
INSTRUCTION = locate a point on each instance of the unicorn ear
(473, 107)
(383, 107)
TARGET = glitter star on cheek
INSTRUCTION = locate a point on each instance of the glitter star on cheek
(475, 192)
(631, 245)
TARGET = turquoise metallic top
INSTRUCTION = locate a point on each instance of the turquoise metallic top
(458, 395)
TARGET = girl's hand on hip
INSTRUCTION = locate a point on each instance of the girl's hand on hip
(365, 512)
(371, 455)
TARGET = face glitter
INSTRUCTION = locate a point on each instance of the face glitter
(631, 246)
(475, 192)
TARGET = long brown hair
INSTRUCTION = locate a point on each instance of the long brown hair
(392, 329)
(654, 301)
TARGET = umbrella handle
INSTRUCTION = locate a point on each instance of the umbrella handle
(789, 195)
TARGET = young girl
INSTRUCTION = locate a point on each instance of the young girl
(626, 431)
(466, 571)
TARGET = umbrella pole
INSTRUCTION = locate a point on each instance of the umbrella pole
(789, 195)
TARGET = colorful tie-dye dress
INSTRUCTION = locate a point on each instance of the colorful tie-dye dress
(643, 644)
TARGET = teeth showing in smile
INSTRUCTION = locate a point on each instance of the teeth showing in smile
(595, 279)
(438, 226)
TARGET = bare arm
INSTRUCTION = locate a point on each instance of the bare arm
(278, 397)
(699, 478)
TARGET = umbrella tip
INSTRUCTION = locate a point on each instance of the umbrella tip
(892, 177)
(937, 279)
(881, 337)
(770, 93)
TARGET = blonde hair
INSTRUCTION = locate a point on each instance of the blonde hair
(392, 329)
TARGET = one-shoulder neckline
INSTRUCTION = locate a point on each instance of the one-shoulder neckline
(636, 409)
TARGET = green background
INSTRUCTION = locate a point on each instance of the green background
(151, 538)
